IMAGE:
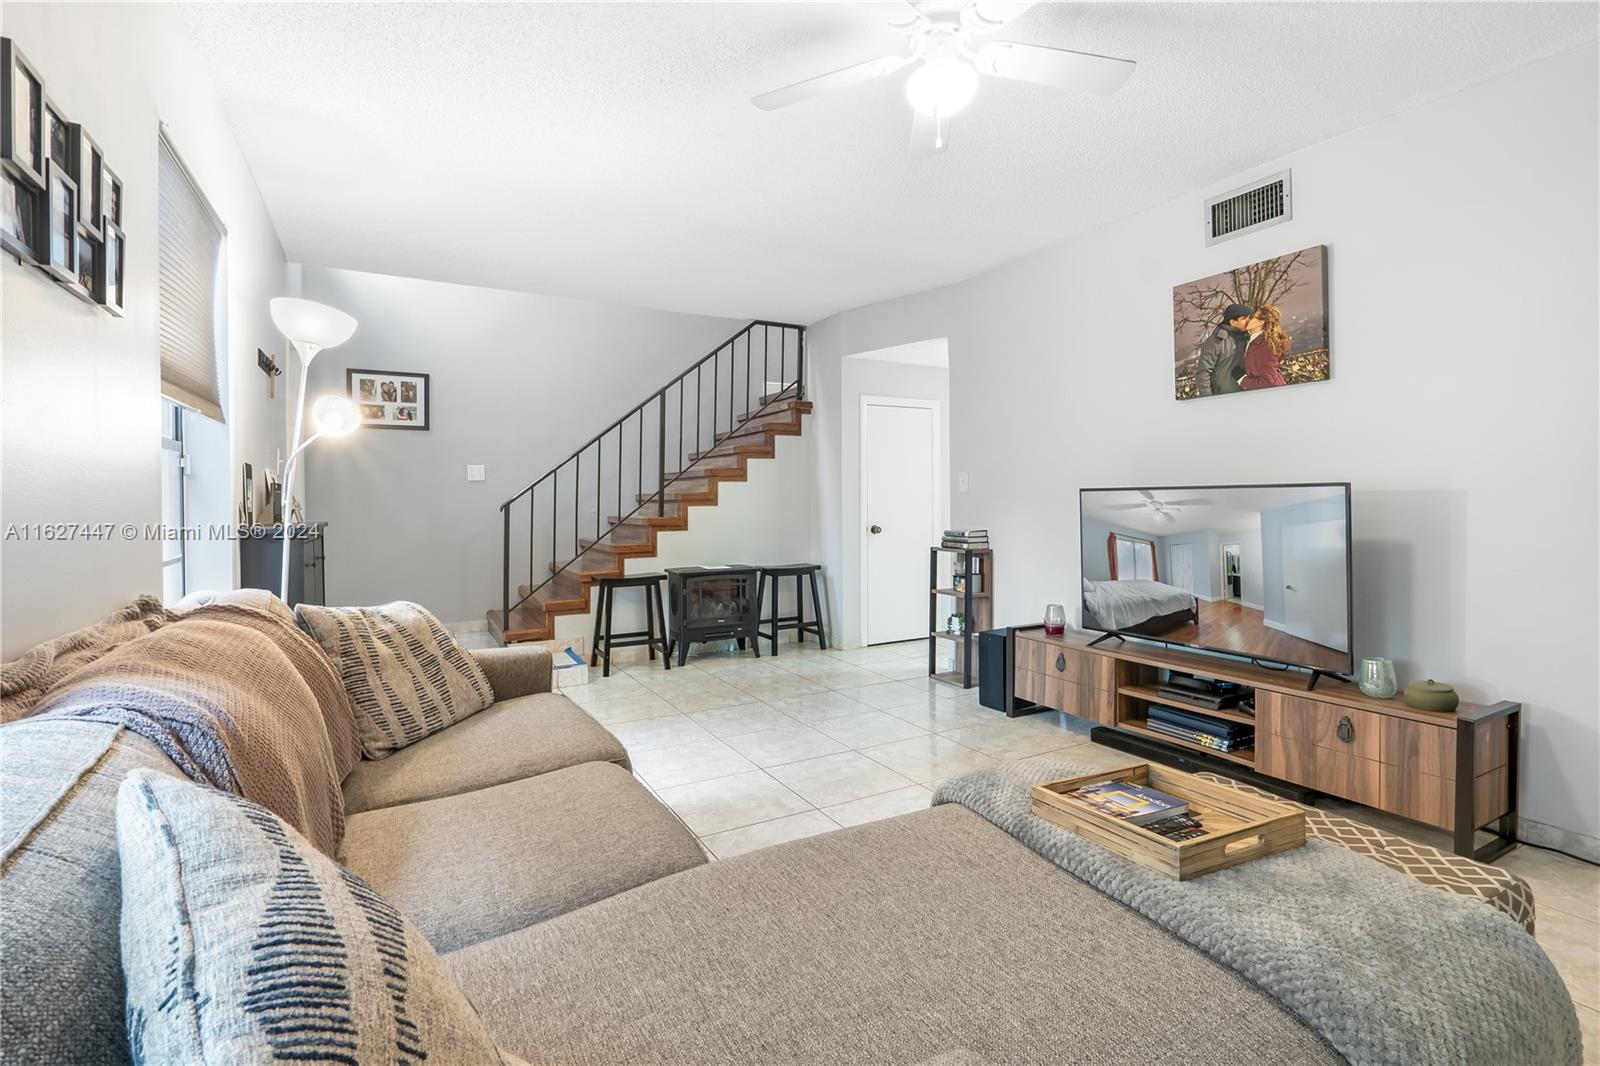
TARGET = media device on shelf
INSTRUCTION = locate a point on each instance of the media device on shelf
(1257, 571)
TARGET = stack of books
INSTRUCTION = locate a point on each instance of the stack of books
(1138, 804)
(966, 538)
(1213, 733)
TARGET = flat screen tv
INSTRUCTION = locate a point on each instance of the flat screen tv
(1258, 571)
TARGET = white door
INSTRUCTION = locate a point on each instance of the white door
(1180, 564)
(899, 500)
(1315, 599)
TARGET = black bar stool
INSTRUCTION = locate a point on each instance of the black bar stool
(654, 616)
(797, 621)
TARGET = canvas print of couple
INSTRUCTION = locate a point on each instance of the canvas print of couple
(1255, 327)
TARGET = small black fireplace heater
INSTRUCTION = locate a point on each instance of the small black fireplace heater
(712, 603)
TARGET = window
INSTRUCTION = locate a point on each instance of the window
(190, 289)
(174, 467)
(1132, 559)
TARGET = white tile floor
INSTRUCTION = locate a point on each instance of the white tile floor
(753, 752)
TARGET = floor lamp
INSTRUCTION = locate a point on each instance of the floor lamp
(310, 327)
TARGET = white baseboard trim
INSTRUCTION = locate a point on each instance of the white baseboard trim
(1253, 606)
(1578, 845)
(1270, 624)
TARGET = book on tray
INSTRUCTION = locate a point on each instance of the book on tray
(1131, 803)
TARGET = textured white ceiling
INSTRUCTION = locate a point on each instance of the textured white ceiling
(610, 150)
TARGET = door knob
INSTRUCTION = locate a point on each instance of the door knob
(874, 529)
(1289, 587)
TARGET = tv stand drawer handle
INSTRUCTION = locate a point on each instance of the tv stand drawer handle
(1061, 662)
(1347, 729)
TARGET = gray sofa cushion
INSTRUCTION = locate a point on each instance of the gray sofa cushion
(469, 867)
(242, 943)
(893, 942)
(60, 888)
(511, 740)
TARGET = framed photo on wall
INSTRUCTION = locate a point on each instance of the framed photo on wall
(21, 116)
(111, 268)
(1258, 326)
(61, 225)
(389, 399)
(19, 217)
(91, 182)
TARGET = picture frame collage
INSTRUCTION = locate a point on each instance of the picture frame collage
(389, 399)
(60, 203)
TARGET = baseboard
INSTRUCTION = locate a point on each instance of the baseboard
(1578, 845)
(1253, 607)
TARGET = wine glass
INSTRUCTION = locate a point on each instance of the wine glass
(1055, 620)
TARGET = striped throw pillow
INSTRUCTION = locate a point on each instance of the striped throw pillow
(243, 943)
(406, 676)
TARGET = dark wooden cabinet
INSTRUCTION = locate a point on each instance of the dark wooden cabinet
(261, 561)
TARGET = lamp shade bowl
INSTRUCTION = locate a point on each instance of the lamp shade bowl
(307, 322)
(335, 416)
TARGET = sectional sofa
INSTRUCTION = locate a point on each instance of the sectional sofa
(585, 925)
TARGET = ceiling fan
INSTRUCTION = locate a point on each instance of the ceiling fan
(944, 47)
(1166, 510)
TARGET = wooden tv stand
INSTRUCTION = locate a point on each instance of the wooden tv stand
(1455, 771)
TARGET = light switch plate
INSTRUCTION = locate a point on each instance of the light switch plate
(961, 482)
(475, 472)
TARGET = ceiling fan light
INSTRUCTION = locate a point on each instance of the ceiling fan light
(942, 87)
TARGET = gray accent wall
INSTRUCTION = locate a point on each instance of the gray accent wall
(518, 383)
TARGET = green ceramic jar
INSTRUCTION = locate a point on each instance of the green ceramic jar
(1431, 695)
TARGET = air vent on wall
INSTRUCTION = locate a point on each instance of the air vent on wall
(1266, 203)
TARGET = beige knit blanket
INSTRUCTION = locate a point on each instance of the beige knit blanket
(240, 700)
(25, 679)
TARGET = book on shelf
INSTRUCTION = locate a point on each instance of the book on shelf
(1204, 740)
(1131, 803)
(965, 538)
(1198, 721)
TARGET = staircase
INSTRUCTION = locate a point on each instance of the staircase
(608, 501)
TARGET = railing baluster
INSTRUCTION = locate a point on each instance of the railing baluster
(661, 455)
(766, 370)
(577, 480)
(640, 471)
(716, 390)
(800, 364)
(699, 394)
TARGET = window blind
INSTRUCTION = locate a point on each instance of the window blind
(189, 289)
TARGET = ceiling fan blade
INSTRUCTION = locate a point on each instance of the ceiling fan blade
(929, 135)
(1057, 68)
(1147, 494)
(987, 16)
(842, 78)
(1198, 501)
(1126, 507)
(1166, 516)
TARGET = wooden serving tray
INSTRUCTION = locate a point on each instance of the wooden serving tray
(1240, 827)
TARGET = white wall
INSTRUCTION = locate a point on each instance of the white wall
(1463, 303)
(518, 381)
(81, 405)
